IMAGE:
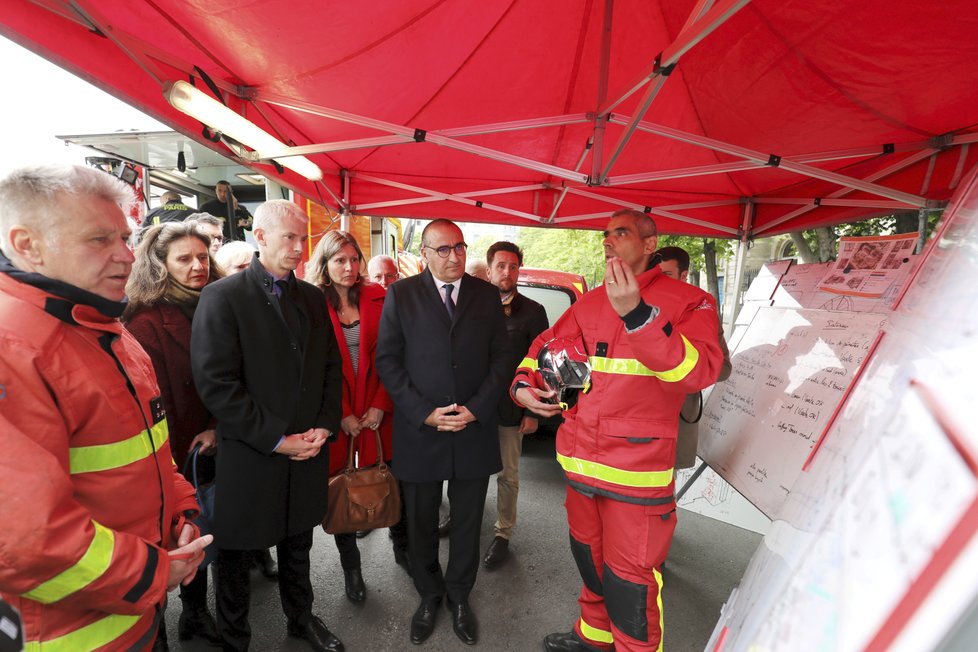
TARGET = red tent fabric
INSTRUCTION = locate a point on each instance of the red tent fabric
(777, 115)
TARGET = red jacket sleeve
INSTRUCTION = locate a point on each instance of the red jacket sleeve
(52, 551)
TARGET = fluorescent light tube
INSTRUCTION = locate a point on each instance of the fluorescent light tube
(187, 99)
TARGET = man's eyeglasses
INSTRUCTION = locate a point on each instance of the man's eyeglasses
(444, 250)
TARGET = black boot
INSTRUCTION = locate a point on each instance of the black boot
(356, 590)
(196, 620)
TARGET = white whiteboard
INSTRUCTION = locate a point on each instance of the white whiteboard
(866, 528)
(790, 370)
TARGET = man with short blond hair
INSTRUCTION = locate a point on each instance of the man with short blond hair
(267, 366)
(96, 520)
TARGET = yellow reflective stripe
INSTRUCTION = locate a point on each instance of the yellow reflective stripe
(631, 367)
(658, 603)
(595, 634)
(91, 636)
(88, 459)
(528, 363)
(613, 475)
(86, 570)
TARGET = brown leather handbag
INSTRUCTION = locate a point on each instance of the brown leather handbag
(362, 499)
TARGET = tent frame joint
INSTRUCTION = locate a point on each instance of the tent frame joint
(659, 69)
(420, 135)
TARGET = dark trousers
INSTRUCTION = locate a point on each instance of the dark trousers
(233, 588)
(467, 500)
(195, 593)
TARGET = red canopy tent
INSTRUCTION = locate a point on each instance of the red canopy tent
(726, 118)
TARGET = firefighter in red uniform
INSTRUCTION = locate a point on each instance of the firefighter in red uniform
(650, 340)
(94, 514)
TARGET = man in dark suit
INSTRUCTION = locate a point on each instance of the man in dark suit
(267, 366)
(442, 354)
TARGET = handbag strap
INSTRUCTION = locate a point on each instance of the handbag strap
(192, 462)
(380, 452)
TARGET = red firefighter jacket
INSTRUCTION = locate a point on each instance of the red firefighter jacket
(89, 491)
(619, 439)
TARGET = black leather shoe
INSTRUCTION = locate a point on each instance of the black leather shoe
(496, 554)
(464, 623)
(356, 590)
(265, 563)
(317, 635)
(567, 642)
(423, 621)
(197, 621)
(444, 526)
(363, 533)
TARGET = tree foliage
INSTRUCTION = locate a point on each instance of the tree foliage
(822, 242)
(567, 250)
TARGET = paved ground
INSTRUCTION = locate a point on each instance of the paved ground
(517, 605)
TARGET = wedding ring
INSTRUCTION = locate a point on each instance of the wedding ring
(612, 282)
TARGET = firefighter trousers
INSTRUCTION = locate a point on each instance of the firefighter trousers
(619, 548)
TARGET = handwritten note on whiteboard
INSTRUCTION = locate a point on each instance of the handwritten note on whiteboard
(790, 371)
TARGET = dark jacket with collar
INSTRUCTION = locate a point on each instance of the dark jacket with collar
(163, 331)
(525, 319)
(427, 360)
(261, 383)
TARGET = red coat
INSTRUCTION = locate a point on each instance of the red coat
(619, 440)
(363, 390)
(164, 333)
(83, 554)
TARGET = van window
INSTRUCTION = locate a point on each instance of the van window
(555, 300)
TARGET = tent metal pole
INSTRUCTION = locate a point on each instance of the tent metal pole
(733, 296)
(477, 193)
(640, 207)
(601, 117)
(325, 148)
(97, 22)
(679, 173)
(343, 116)
(885, 172)
(722, 168)
(828, 201)
(663, 65)
(776, 161)
(701, 204)
(515, 125)
(563, 191)
(650, 94)
(518, 161)
(689, 483)
(445, 196)
(697, 27)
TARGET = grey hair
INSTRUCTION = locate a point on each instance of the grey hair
(206, 218)
(381, 258)
(28, 196)
(233, 254)
(272, 212)
(643, 221)
(170, 196)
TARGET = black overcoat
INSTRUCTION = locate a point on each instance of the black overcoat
(261, 383)
(427, 360)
